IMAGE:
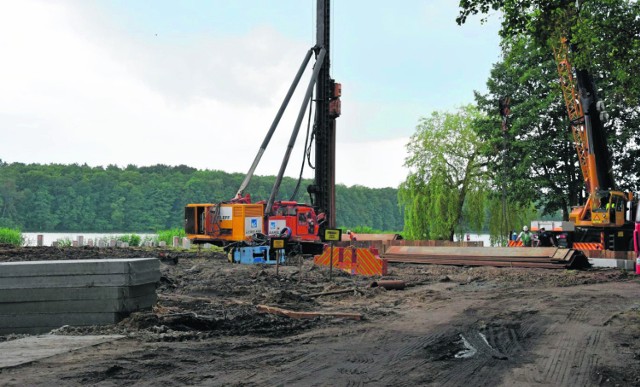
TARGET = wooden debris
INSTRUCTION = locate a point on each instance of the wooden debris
(329, 293)
(306, 315)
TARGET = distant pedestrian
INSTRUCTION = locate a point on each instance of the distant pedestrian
(545, 238)
(514, 235)
(468, 237)
(352, 236)
(525, 236)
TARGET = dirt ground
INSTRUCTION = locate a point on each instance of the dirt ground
(450, 326)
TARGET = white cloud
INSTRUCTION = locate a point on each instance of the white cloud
(71, 94)
(373, 164)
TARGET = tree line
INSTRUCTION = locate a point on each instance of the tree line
(55, 197)
(511, 156)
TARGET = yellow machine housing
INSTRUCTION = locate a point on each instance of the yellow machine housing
(223, 222)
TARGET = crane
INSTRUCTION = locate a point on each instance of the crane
(606, 217)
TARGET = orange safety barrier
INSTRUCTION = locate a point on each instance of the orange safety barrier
(363, 261)
(513, 243)
(587, 246)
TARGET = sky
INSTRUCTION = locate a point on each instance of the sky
(198, 83)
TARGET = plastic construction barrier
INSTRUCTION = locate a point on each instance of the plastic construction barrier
(576, 245)
(587, 246)
(362, 261)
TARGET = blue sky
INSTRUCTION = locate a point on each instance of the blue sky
(164, 72)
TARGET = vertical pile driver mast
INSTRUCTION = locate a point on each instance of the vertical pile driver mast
(328, 92)
(603, 215)
(239, 222)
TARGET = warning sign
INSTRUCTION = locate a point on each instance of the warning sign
(332, 235)
(277, 243)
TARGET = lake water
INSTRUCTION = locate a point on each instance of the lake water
(31, 238)
(485, 238)
(50, 237)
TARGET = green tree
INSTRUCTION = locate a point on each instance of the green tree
(534, 159)
(446, 170)
(605, 37)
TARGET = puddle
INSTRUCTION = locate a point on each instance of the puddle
(468, 350)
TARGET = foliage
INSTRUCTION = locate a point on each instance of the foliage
(131, 239)
(167, 235)
(518, 215)
(11, 236)
(63, 198)
(64, 242)
(536, 159)
(446, 171)
(367, 230)
(604, 33)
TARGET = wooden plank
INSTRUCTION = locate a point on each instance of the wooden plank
(306, 315)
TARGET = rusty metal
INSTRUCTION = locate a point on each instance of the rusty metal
(389, 284)
(550, 258)
(374, 237)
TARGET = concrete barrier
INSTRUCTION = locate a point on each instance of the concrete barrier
(38, 296)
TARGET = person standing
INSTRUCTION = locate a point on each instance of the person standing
(525, 236)
(545, 238)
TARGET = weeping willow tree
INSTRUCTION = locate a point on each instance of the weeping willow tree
(446, 171)
(518, 214)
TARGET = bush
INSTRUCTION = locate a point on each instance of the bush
(167, 235)
(64, 242)
(131, 239)
(11, 236)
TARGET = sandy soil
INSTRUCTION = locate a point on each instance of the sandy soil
(450, 326)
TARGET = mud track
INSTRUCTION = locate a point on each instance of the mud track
(452, 326)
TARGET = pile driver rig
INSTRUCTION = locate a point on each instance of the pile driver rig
(239, 222)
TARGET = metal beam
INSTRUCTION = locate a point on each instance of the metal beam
(275, 122)
(296, 129)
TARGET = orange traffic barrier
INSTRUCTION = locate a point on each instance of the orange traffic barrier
(363, 261)
(587, 246)
(513, 243)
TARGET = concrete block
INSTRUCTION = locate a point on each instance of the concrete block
(38, 295)
(80, 240)
(90, 243)
(162, 244)
(121, 305)
(74, 294)
(74, 243)
(79, 280)
(71, 267)
(79, 273)
(613, 263)
(186, 243)
(112, 242)
(40, 240)
(176, 241)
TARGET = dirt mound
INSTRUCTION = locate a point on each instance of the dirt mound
(449, 326)
(10, 253)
